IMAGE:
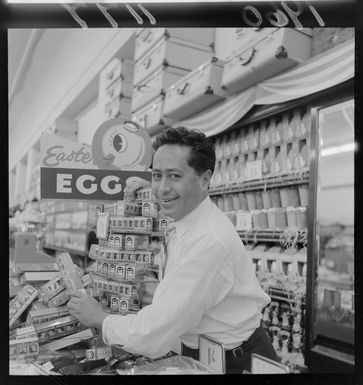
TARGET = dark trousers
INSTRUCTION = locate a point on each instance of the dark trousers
(239, 359)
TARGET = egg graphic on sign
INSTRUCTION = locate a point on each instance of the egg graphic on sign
(120, 144)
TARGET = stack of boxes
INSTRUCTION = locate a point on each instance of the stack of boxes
(162, 57)
(39, 321)
(115, 88)
(124, 252)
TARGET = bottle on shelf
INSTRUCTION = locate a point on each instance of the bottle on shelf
(243, 141)
(304, 126)
(265, 140)
(234, 144)
(253, 138)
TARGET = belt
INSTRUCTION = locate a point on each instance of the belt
(244, 348)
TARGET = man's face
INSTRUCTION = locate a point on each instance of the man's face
(176, 185)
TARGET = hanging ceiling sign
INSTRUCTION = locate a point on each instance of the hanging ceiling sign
(121, 150)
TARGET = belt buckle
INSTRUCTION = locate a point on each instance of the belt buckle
(237, 352)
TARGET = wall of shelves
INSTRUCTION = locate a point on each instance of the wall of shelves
(67, 226)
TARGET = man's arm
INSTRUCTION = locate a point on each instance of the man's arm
(180, 301)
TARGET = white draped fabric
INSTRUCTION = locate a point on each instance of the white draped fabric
(319, 73)
(218, 118)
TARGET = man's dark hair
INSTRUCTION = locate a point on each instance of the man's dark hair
(202, 154)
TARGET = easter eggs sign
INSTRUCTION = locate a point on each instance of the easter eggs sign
(120, 150)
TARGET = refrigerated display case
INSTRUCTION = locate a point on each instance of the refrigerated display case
(330, 276)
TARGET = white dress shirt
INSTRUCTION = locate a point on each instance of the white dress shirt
(209, 288)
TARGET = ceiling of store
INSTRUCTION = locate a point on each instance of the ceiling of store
(17, 42)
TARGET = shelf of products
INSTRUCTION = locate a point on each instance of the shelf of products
(287, 237)
(68, 225)
(261, 184)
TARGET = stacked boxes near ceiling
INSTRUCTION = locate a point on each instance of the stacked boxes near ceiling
(115, 88)
(260, 53)
(162, 58)
(261, 182)
(125, 251)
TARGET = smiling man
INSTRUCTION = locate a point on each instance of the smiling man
(208, 285)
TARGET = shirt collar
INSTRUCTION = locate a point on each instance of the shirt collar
(186, 222)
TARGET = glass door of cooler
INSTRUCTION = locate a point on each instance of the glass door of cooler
(330, 343)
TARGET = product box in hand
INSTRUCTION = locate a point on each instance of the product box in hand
(71, 278)
(19, 304)
(51, 288)
(59, 299)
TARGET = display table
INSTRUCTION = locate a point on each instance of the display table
(63, 363)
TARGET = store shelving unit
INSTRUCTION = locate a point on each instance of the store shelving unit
(272, 236)
(261, 184)
(68, 225)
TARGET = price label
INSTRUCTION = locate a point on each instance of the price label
(244, 221)
(254, 170)
(211, 353)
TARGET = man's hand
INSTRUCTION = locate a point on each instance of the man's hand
(133, 184)
(86, 309)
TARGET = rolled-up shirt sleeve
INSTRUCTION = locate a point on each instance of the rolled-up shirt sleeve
(200, 281)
